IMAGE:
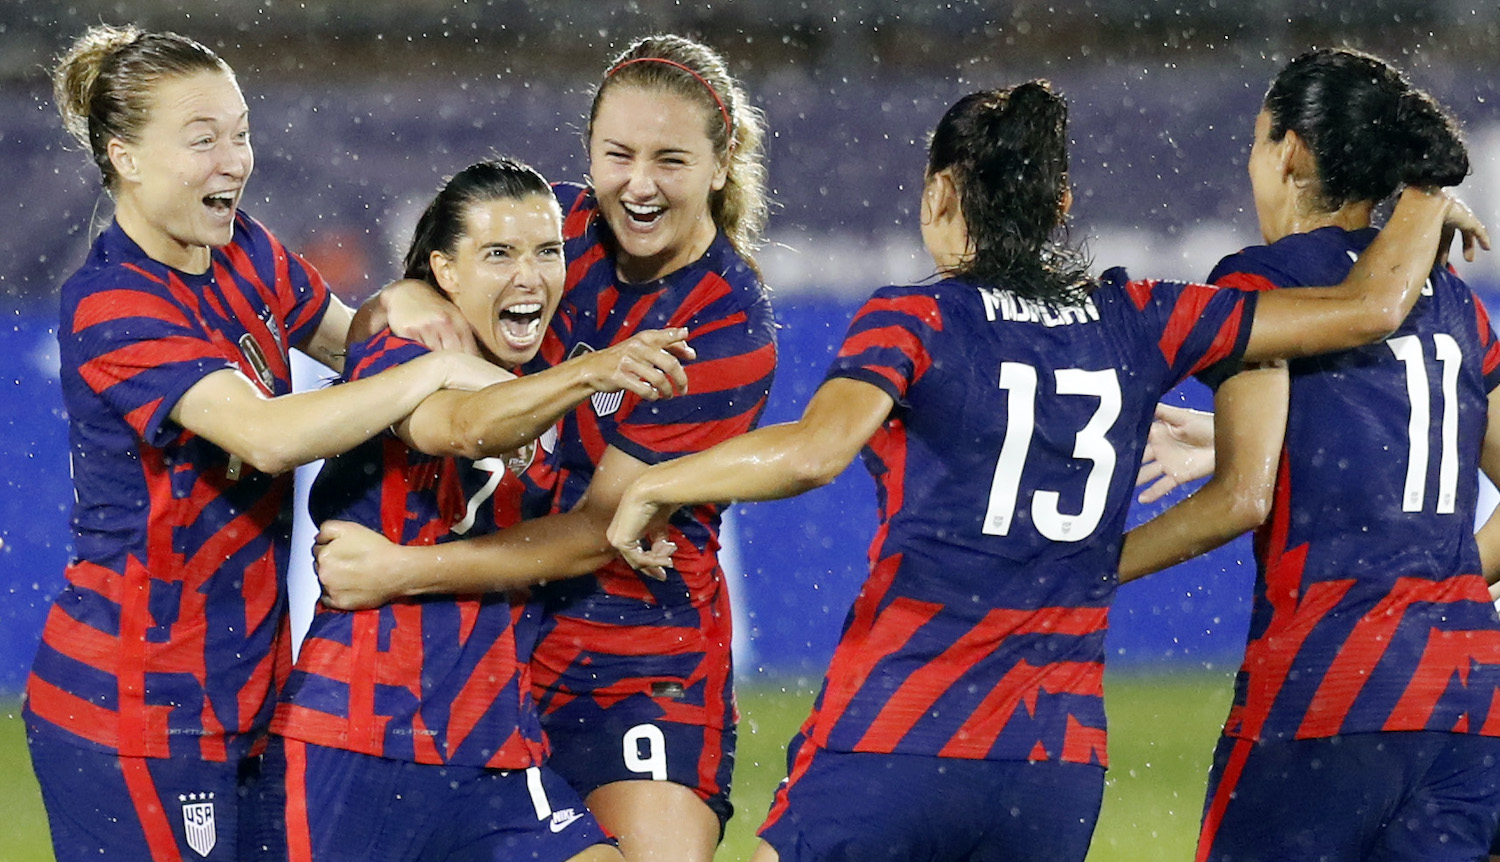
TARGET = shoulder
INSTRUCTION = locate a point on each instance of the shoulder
(1291, 259)
(578, 207)
(923, 303)
(114, 264)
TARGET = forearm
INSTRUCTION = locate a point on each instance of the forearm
(277, 434)
(768, 464)
(531, 552)
(1373, 299)
(511, 414)
(1210, 517)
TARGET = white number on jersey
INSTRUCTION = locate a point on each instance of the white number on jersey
(1409, 350)
(1091, 444)
(653, 761)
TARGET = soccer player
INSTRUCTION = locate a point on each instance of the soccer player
(409, 731)
(154, 680)
(1001, 410)
(634, 677)
(1363, 724)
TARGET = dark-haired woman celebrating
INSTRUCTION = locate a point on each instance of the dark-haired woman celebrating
(154, 681)
(409, 731)
(1365, 711)
(1001, 410)
(634, 677)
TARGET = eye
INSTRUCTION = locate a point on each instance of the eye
(242, 136)
(203, 141)
(552, 252)
(495, 253)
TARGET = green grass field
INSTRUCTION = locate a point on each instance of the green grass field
(1162, 733)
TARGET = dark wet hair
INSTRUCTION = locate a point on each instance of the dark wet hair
(1368, 128)
(698, 73)
(1007, 151)
(103, 84)
(445, 221)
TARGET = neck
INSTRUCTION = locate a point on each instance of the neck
(157, 243)
(1350, 216)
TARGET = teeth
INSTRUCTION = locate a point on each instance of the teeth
(533, 327)
(525, 308)
(641, 210)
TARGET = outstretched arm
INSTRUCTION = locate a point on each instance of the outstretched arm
(512, 413)
(1378, 292)
(767, 464)
(276, 434)
(1488, 535)
(1250, 410)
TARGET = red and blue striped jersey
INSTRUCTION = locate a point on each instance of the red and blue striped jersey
(171, 633)
(1003, 476)
(436, 679)
(1370, 612)
(593, 640)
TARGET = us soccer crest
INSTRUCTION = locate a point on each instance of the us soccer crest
(604, 403)
(258, 363)
(198, 821)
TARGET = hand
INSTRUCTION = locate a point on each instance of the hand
(357, 567)
(1179, 449)
(1461, 220)
(632, 519)
(647, 364)
(416, 311)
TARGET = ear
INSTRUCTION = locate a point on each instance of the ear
(721, 173)
(442, 271)
(122, 159)
(1297, 162)
(940, 198)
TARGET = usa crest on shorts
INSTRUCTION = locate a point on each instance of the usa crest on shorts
(198, 821)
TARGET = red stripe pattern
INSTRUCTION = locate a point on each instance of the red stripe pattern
(615, 635)
(171, 634)
(440, 680)
(1370, 614)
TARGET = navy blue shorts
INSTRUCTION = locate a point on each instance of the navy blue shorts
(843, 806)
(341, 805)
(1426, 796)
(101, 806)
(631, 741)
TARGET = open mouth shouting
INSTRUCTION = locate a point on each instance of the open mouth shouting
(520, 325)
(221, 204)
(643, 215)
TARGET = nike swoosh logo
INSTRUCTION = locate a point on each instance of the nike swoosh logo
(563, 819)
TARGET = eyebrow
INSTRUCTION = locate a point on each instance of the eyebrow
(244, 116)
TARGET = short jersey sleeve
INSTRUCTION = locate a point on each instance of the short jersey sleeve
(379, 352)
(136, 347)
(886, 345)
(1193, 327)
(732, 331)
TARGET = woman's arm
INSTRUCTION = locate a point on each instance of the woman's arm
(276, 434)
(1250, 421)
(767, 464)
(1488, 535)
(362, 569)
(1378, 292)
(772, 462)
(514, 412)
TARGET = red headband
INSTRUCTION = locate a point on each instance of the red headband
(728, 124)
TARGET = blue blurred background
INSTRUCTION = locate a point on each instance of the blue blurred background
(359, 110)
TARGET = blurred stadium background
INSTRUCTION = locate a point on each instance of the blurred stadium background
(360, 109)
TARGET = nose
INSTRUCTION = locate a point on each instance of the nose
(236, 159)
(642, 180)
(528, 273)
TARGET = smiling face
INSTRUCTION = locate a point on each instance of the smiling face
(180, 182)
(506, 273)
(653, 169)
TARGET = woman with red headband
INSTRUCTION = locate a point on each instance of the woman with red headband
(633, 676)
